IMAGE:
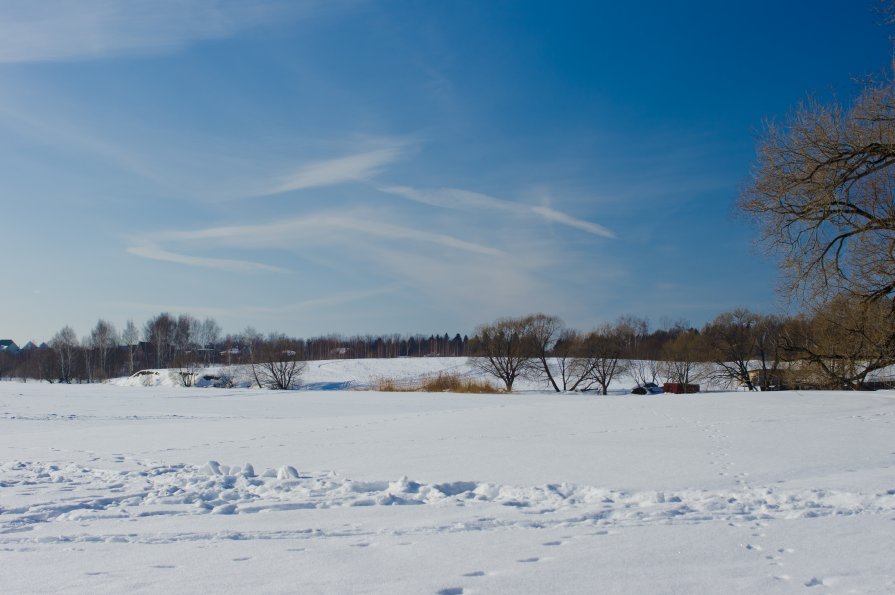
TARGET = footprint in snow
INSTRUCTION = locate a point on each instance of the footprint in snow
(526, 560)
(757, 548)
(814, 582)
(475, 573)
(450, 591)
(551, 543)
(242, 559)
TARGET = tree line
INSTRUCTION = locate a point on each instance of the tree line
(186, 342)
(841, 344)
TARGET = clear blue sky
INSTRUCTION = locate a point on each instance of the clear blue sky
(354, 167)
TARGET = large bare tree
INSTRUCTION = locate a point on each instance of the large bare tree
(822, 192)
(504, 349)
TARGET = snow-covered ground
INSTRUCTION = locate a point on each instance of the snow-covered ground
(343, 374)
(111, 489)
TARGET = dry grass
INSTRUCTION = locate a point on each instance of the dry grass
(443, 383)
(389, 385)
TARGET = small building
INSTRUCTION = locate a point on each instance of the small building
(9, 346)
(788, 376)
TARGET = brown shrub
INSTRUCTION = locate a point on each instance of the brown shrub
(442, 383)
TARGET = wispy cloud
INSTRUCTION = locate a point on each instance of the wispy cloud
(558, 217)
(353, 168)
(154, 252)
(323, 228)
(336, 231)
(455, 198)
(450, 198)
(60, 30)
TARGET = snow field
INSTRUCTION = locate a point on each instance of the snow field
(109, 488)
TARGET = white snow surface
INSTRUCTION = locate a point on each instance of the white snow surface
(114, 488)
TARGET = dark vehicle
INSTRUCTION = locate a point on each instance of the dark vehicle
(647, 389)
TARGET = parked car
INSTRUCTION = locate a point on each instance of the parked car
(649, 388)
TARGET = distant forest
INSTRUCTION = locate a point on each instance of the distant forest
(166, 341)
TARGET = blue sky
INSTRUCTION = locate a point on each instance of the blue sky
(377, 167)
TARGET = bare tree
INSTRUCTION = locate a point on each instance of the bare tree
(188, 365)
(641, 354)
(182, 339)
(731, 341)
(88, 356)
(504, 350)
(210, 334)
(543, 332)
(632, 331)
(103, 339)
(599, 357)
(41, 364)
(822, 193)
(251, 340)
(7, 364)
(131, 338)
(644, 371)
(844, 342)
(566, 358)
(769, 350)
(277, 364)
(65, 344)
(159, 331)
(681, 358)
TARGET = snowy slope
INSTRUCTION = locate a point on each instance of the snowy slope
(330, 374)
(108, 489)
(364, 373)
